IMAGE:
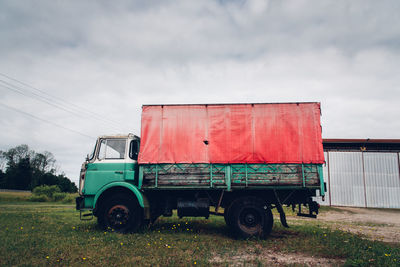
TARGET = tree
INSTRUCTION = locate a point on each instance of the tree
(3, 161)
(14, 155)
(2, 179)
(23, 168)
(44, 162)
(66, 185)
(19, 176)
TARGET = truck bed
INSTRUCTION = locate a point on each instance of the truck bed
(229, 176)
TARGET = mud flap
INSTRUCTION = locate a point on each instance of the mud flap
(282, 214)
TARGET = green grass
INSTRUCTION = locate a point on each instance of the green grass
(52, 234)
(15, 196)
(26, 196)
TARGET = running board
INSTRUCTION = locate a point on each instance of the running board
(83, 216)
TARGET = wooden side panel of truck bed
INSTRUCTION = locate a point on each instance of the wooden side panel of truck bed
(230, 175)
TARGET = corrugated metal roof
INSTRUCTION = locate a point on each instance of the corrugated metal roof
(377, 145)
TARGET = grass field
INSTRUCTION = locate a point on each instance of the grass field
(52, 234)
(14, 196)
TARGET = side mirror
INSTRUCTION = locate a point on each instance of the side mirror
(87, 157)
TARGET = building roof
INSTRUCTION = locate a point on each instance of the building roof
(377, 145)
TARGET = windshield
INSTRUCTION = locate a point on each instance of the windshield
(112, 149)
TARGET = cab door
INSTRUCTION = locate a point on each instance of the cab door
(131, 167)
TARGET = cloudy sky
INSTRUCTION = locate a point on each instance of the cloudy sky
(86, 67)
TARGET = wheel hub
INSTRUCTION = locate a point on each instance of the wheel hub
(250, 218)
(118, 216)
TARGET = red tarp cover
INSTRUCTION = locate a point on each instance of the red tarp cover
(235, 133)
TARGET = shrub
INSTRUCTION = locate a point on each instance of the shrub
(46, 190)
(59, 196)
(39, 198)
(70, 198)
(51, 193)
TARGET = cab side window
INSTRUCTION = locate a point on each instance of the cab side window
(134, 149)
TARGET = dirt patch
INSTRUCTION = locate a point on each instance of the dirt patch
(268, 257)
(362, 215)
(375, 224)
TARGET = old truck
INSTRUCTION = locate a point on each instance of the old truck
(234, 160)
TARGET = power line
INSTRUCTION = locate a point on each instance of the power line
(33, 96)
(56, 101)
(48, 101)
(57, 98)
(47, 121)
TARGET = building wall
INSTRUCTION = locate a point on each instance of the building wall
(362, 179)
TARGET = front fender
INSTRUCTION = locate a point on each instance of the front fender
(129, 186)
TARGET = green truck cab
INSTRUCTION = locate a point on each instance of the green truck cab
(126, 191)
(110, 170)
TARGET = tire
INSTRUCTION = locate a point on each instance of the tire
(120, 213)
(250, 217)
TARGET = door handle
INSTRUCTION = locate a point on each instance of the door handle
(119, 172)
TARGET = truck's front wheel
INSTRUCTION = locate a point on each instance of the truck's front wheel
(120, 213)
(251, 217)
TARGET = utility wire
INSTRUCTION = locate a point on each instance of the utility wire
(48, 101)
(57, 98)
(50, 98)
(15, 89)
(47, 121)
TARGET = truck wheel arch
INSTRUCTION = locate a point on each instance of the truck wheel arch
(119, 187)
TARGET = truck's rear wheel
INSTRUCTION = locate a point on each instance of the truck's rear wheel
(120, 213)
(251, 217)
